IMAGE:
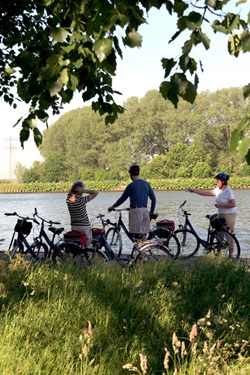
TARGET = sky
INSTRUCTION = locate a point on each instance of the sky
(140, 70)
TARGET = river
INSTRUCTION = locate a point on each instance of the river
(52, 206)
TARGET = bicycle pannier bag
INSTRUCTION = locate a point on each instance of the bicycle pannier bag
(75, 236)
(168, 224)
(217, 223)
(96, 233)
(23, 226)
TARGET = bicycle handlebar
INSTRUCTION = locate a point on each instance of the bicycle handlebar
(50, 222)
(21, 217)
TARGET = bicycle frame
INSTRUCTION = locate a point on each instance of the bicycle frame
(43, 234)
(219, 239)
(188, 224)
(120, 223)
(108, 252)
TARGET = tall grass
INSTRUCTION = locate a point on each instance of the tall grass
(167, 318)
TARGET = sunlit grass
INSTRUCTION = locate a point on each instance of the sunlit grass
(166, 318)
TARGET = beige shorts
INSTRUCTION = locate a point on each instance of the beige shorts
(139, 221)
(230, 219)
(87, 230)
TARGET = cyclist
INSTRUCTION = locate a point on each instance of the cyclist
(225, 200)
(76, 203)
(138, 191)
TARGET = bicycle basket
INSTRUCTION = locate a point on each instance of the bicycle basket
(74, 236)
(23, 226)
(217, 223)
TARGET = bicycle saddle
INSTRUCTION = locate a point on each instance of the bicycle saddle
(56, 230)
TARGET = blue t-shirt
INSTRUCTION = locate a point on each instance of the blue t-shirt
(138, 191)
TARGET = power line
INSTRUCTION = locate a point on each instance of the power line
(11, 149)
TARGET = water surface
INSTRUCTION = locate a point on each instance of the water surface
(52, 206)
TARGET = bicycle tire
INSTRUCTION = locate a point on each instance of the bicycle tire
(152, 252)
(40, 249)
(168, 239)
(114, 238)
(189, 245)
(65, 251)
(220, 246)
(16, 248)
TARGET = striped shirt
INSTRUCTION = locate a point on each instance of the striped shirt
(77, 211)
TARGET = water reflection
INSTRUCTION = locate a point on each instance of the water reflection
(52, 206)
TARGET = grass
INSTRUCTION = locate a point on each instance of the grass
(166, 318)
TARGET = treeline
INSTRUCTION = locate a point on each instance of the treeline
(108, 185)
(191, 142)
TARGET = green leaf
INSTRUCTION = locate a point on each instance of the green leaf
(245, 41)
(102, 48)
(205, 40)
(193, 20)
(180, 7)
(38, 138)
(133, 39)
(9, 71)
(187, 47)
(58, 34)
(64, 76)
(184, 88)
(246, 91)
(235, 138)
(165, 86)
(244, 146)
(73, 82)
(167, 65)
(55, 87)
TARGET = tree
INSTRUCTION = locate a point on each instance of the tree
(52, 48)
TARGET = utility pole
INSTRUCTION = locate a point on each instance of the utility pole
(11, 149)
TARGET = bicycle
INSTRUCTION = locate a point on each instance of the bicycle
(218, 237)
(163, 235)
(154, 248)
(19, 243)
(43, 244)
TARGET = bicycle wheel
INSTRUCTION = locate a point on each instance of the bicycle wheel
(152, 252)
(188, 242)
(225, 244)
(114, 238)
(40, 250)
(16, 248)
(64, 251)
(167, 239)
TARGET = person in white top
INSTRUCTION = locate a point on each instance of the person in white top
(225, 200)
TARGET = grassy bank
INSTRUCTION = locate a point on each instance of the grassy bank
(164, 184)
(168, 318)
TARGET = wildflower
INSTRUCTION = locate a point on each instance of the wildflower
(176, 343)
(166, 359)
(143, 363)
(193, 332)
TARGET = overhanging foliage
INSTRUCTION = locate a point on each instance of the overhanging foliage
(52, 48)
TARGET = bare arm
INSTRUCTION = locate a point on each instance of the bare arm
(206, 193)
(92, 193)
(230, 204)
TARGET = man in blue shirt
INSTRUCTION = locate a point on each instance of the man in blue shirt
(138, 192)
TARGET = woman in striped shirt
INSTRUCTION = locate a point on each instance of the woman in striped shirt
(76, 203)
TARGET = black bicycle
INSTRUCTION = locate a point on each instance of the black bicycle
(160, 232)
(19, 242)
(220, 240)
(141, 252)
(43, 245)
